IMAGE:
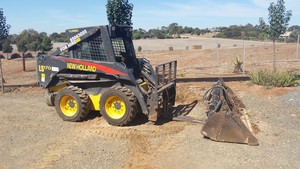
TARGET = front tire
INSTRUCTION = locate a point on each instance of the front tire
(118, 106)
(72, 104)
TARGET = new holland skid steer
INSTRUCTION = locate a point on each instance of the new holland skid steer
(98, 71)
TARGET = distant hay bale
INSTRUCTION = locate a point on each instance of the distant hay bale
(196, 47)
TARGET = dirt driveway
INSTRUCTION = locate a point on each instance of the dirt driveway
(33, 136)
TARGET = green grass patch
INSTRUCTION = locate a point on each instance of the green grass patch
(274, 79)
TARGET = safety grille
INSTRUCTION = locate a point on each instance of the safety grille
(119, 47)
(91, 49)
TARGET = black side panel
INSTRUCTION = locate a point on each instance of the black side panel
(47, 68)
(107, 43)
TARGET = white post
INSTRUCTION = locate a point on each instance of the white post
(244, 58)
(218, 52)
(297, 52)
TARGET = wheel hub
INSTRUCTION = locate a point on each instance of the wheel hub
(68, 106)
(71, 104)
(115, 107)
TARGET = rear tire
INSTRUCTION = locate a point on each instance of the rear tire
(49, 97)
(118, 106)
(72, 104)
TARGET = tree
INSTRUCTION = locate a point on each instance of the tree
(22, 47)
(13, 38)
(119, 12)
(137, 34)
(4, 28)
(58, 37)
(278, 20)
(294, 27)
(7, 48)
(33, 41)
(46, 44)
(4, 31)
(173, 28)
(27, 40)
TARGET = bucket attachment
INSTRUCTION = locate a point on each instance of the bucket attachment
(227, 119)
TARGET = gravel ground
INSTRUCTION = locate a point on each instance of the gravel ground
(33, 136)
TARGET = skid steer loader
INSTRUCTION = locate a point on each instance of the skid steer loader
(97, 70)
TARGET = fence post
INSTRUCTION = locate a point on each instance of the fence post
(218, 52)
(1, 76)
(244, 56)
(297, 52)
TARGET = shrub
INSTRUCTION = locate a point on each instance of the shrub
(275, 79)
(28, 55)
(2, 57)
(14, 56)
(238, 66)
(140, 49)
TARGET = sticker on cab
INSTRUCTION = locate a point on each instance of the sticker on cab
(55, 69)
(43, 77)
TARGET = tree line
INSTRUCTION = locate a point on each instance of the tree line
(174, 30)
(246, 32)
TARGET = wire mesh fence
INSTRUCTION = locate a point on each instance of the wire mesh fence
(218, 56)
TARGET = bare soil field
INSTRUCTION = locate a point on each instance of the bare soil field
(184, 43)
(33, 136)
(213, 62)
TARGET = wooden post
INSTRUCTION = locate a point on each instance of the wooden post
(297, 51)
(1, 72)
(23, 60)
(274, 57)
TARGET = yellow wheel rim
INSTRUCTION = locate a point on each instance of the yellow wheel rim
(68, 106)
(115, 107)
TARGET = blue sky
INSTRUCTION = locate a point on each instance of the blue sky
(57, 15)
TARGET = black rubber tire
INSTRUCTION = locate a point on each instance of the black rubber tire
(49, 97)
(128, 99)
(81, 100)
